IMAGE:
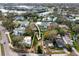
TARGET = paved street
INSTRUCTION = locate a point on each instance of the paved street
(5, 42)
(74, 52)
(67, 40)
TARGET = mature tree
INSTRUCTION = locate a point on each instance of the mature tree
(39, 50)
(68, 47)
(63, 20)
(1, 16)
(50, 34)
(41, 17)
(10, 15)
(78, 36)
(61, 31)
(33, 16)
(76, 28)
(68, 23)
(16, 41)
(73, 10)
(8, 23)
(55, 11)
(0, 13)
(59, 21)
(28, 31)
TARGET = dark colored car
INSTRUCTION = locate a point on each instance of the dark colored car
(4, 42)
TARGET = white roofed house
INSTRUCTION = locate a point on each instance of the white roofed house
(19, 31)
(27, 40)
(77, 17)
(19, 18)
(45, 22)
(24, 23)
(44, 13)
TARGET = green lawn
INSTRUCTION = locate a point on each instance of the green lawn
(76, 45)
(57, 48)
(34, 41)
(58, 52)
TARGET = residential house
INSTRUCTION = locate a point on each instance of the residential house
(27, 40)
(19, 31)
(52, 26)
(44, 14)
(24, 23)
(19, 18)
(48, 43)
(64, 26)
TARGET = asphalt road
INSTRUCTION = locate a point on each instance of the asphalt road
(74, 52)
(68, 41)
(5, 42)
